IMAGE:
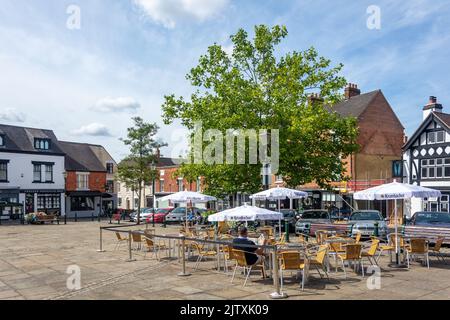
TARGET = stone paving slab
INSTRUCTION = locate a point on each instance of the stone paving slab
(38, 270)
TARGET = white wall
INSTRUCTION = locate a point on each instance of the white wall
(20, 171)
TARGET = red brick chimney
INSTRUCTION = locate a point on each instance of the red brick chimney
(431, 106)
(351, 90)
(314, 98)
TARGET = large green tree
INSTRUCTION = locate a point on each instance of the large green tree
(138, 168)
(256, 87)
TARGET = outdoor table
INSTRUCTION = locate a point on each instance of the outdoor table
(177, 241)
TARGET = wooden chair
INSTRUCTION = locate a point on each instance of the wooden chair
(241, 262)
(417, 247)
(292, 261)
(120, 240)
(320, 259)
(371, 253)
(352, 254)
(201, 253)
(436, 249)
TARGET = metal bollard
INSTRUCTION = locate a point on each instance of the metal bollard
(76, 217)
(92, 216)
(101, 241)
(276, 279)
(183, 258)
(65, 218)
(286, 229)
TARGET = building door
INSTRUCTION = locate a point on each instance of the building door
(29, 203)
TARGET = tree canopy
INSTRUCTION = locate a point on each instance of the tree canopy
(257, 87)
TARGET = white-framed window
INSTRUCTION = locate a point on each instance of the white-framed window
(161, 185)
(180, 184)
(435, 168)
(82, 181)
(435, 137)
(2, 140)
(41, 144)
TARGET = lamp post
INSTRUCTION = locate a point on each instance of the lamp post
(153, 168)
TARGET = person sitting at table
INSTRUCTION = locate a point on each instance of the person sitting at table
(253, 255)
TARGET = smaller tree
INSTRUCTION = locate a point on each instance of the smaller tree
(136, 170)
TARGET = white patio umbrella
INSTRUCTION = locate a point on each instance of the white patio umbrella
(279, 193)
(394, 191)
(245, 213)
(187, 196)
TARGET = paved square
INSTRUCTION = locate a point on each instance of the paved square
(34, 260)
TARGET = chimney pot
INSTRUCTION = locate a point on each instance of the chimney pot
(433, 99)
(351, 90)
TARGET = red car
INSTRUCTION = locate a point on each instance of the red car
(159, 215)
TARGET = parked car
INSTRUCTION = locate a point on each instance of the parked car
(340, 214)
(303, 225)
(431, 219)
(159, 215)
(363, 221)
(179, 214)
(288, 214)
(145, 212)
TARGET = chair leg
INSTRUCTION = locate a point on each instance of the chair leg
(303, 279)
(343, 268)
(428, 261)
(248, 275)
(234, 273)
(362, 267)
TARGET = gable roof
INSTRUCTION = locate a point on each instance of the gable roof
(80, 157)
(21, 139)
(440, 117)
(356, 105)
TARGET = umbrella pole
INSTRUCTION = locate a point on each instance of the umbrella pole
(396, 233)
(279, 219)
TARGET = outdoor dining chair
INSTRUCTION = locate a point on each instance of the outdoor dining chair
(292, 261)
(390, 246)
(201, 253)
(241, 263)
(352, 255)
(319, 260)
(371, 253)
(436, 249)
(137, 239)
(417, 247)
(120, 240)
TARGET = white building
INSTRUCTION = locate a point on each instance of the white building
(31, 171)
(426, 158)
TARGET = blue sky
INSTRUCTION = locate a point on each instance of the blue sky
(86, 83)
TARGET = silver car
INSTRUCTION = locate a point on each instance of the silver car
(363, 221)
(179, 214)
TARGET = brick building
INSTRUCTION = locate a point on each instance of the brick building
(381, 137)
(166, 184)
(89, 170)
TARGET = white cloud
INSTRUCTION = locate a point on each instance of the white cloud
(11, 115)
(93, 129)
(120, 104)
(169, 12)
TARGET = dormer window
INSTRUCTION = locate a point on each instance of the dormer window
(2, 140)
(42, 144)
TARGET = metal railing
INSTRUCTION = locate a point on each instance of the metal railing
(181, 243)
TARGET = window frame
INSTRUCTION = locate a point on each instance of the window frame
(85, 176)
(5, 163)
(2, 140)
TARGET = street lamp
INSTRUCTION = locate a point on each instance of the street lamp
(153, 168)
